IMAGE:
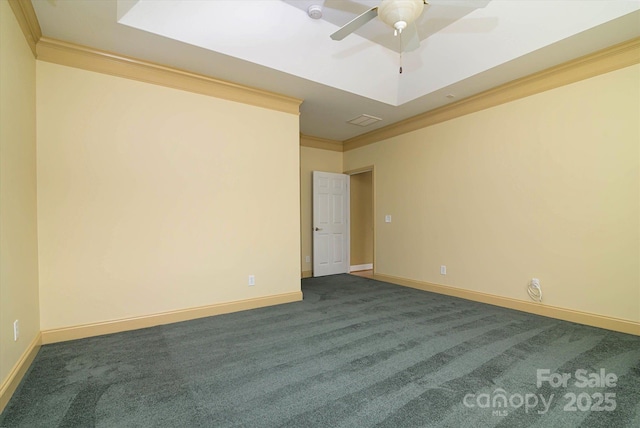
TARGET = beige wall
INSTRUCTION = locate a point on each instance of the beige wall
(18, 233)
(153, 199)
(312, 160)
(361, 211)
(546, 186)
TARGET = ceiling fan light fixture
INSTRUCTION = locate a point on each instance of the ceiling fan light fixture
(400, 13)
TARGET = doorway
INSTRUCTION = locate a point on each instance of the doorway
(361, 203)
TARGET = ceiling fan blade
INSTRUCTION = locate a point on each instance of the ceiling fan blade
(356, 23)
(410, 38)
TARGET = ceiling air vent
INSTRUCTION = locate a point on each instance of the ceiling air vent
(364, 120)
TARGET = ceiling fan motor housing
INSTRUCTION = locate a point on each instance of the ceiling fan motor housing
(400, 13)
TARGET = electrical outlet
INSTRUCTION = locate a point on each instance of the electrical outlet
(307, 259)
(443, 270)
(252, 280)
(387, 218)
(16, 331)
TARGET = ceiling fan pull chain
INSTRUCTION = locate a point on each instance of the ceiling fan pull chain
(400, 38)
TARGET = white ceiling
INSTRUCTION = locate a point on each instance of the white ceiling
(467, 46)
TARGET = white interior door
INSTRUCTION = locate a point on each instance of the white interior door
(330, 223)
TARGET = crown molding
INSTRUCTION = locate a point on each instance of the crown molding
(64, 53)
(26, 17)
(613, 58)
(320, 143)
(86, 58)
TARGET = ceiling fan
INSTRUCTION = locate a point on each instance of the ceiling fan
(398, 14)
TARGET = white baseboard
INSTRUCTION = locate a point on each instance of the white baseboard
(357, 268)
(11, 382)
(9, 385)
(595, 320)
(117, 326)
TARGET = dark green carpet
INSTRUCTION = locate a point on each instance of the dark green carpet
(354, 353)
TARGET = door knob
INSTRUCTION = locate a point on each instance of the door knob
(317, 229)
